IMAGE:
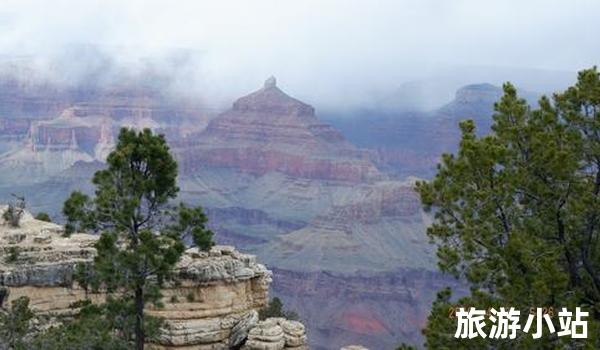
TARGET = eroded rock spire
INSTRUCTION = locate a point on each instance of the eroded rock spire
(271, 82)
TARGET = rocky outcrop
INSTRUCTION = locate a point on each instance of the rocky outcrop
(239, 332)
(213, 306)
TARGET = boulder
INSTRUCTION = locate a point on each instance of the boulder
(267, 335)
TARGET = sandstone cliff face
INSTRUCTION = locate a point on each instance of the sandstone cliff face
(213, 307)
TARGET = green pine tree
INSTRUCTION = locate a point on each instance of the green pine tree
(42, 216)
(517, 214)
(93, 328)
(142, 234)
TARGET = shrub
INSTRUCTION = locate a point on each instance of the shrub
(43, 217)
(275, 309)
(13, 254)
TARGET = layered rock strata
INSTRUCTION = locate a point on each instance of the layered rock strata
(269, 131)
(213, 306)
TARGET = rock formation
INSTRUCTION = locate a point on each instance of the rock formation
(214, 305)
(268, 131)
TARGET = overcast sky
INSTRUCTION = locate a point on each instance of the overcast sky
(327, 51)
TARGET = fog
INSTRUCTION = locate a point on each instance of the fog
(333, 54)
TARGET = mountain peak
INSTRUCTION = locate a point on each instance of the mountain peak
(271, 100)
(271, 82)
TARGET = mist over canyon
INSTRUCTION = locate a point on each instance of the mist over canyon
(300, 127)
(326, 201)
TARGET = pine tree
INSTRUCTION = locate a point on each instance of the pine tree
(517, 213)
(142, 234)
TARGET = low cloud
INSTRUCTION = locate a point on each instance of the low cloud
(330, 53)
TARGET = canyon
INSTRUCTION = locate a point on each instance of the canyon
(340, 226)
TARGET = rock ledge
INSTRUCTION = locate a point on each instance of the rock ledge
(214, 305)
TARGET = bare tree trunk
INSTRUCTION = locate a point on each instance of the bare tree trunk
(139, 319)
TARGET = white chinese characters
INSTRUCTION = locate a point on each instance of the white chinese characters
(505, 324)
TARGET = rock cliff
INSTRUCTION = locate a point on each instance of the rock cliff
(213, 306)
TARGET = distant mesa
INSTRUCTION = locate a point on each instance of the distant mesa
(478, 93)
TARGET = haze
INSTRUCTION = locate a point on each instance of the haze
(332, 54)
